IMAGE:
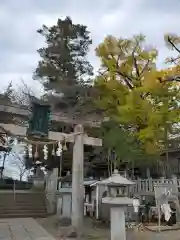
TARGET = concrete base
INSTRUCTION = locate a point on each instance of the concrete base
(118, 231)
(38, 184)
(64, 221)
(64, 206)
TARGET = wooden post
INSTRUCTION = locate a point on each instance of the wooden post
(151, 188)
(139, 187)
(159, 218)
(174, 178)
(77, 181)
(148, 173)
(97, 201)
(162, 179)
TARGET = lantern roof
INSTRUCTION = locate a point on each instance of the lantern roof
(116, 179)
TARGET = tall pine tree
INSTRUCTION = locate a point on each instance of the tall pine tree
(64, 68)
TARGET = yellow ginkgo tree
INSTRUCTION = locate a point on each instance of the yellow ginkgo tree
(134, 93)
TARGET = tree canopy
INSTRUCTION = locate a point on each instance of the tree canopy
(140, 100)
(64, 68)
(134, 92)
(124, 143)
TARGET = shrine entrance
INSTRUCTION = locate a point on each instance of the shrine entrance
(37, 133)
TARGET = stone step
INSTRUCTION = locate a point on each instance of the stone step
(40, 207)
(22, 211)
(24, 215)
(22, 195)
(12, 200)
(21, 192)
(22, 204)
(21, 200)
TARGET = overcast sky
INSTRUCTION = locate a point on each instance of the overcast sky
(19, 20)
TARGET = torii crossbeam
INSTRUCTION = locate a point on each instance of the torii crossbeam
(24, 112)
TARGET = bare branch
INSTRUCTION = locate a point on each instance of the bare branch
(173, 44)
(135, 60)
(169, 79)
(126, 78)
(146, 65)
(20, 164)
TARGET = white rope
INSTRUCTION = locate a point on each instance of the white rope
(38, 142)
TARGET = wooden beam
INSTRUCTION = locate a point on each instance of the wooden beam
(56, 136)
(24, 111)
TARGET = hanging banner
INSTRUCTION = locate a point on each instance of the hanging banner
(40, 120)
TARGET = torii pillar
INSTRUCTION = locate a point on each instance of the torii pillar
(79, 139)
(78, 176)
(78, 180)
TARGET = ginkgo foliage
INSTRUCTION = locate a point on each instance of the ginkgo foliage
(134, 93)
(126, 146)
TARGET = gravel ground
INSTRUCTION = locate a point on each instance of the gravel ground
(102, 232)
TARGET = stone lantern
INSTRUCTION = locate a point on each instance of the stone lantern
(118, 200)
(64, 197)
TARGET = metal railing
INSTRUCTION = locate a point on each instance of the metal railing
(14, 190)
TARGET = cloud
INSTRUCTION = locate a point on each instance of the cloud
(19, 21)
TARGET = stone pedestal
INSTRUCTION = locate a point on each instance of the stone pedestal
(118, 206)
(118, 231)
(38, 184)
(51, 189)
(64, 203)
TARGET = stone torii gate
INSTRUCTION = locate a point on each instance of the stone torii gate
(77, 137)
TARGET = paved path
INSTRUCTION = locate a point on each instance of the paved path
(22, 229)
